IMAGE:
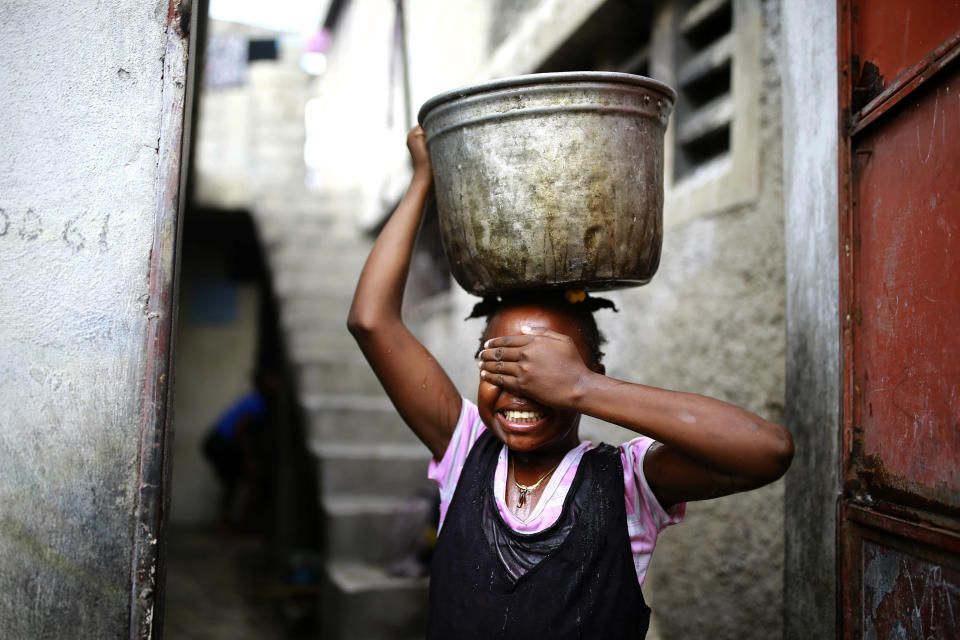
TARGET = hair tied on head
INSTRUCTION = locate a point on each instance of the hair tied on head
(590, 303)
(486, 307)
(576, 302)
(492, 302)
(574, 296)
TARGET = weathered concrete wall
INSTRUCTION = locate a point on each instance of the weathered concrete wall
(809, 71)
(712, 322)
(82, 96)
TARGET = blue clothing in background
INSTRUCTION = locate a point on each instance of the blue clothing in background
(251, 405)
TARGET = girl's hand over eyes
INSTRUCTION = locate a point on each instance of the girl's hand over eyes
(541, 365)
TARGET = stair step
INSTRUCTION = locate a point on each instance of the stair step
(328, 318)
(349, 373)
(363, 469)
(379, 530)
(308, 255)
(306, 313)
(356, 419)
(289, 285)
(310, 352)
(319, 306)
(344, 258)
(301, 286)
(320, 341)
(364, 601)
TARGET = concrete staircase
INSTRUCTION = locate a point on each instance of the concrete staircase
(370, 466)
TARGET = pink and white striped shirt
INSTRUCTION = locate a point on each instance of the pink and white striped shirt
(645, 517)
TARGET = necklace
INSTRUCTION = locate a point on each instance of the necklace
(527, 488)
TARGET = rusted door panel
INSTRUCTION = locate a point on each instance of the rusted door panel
(905, 590)
(899, 513)
(896, 582)
(890, 38)
(906, 294)
(894, 35)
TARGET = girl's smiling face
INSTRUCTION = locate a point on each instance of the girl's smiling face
(524, 425)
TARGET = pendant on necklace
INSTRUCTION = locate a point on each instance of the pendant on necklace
(522, 498)
(524, 488)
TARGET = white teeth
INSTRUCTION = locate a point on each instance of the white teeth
(522, 416)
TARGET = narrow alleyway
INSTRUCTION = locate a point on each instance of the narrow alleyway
(219, 588)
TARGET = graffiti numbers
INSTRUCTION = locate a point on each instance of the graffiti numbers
(28, 225)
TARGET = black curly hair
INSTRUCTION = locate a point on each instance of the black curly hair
(581, 309)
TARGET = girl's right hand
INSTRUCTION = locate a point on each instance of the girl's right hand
(417, 144)
(541, 365)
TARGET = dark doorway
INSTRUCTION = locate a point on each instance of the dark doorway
(246, 562)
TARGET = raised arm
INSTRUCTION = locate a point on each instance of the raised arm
(420, 389)
(709, 448)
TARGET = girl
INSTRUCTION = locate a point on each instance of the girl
(542, 534)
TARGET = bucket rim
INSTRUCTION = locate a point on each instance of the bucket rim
(562, 77)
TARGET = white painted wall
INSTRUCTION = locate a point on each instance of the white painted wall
(358, 149)
(80, 94)
(811, 207)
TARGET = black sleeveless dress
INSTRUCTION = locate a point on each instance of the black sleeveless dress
(575, 579)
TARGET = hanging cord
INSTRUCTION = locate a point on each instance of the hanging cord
(399, 59)
(389, 197)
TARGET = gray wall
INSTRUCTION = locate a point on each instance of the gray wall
(809, 66)
(84, 152)
(712, 322)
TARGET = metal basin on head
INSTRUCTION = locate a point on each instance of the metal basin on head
(550, 180)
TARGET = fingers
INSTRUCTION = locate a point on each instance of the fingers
(495, 367)
(416, 132)
(502, 380)
(508, 341)
(511, 347)
(511, 354)
(417, 144)
(543, 331)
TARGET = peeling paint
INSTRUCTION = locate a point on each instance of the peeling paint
(899, 533)
(908, 596)
(908, 285)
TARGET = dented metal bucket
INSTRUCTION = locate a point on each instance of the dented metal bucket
(550, 180)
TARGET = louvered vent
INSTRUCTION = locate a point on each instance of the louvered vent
(638, 62)
(616, 37)
(705, 48)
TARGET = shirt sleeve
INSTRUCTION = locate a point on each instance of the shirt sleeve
(447, 471)
(645, 516)
(256, 405)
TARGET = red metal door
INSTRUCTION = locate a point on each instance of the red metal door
(899, 520)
